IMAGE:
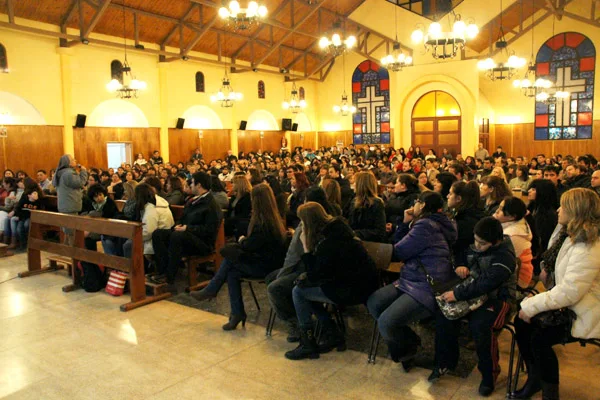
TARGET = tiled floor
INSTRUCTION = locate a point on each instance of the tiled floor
(56, 345)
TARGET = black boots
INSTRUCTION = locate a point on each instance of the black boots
(202, 295)
(549, 391)
(293, 331)
(306, 349)
(532, 386)
(234, 320)
(331, 338)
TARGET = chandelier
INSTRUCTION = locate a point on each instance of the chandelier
(530, 86)
(243, 18)
(545, 96)
(295, 104)
(335, 44)
(503, 70)
(122, 89)
(445, 44)
(397, 60)
(344, 108)
(226, 95)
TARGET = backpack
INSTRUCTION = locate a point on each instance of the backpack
(92, 276)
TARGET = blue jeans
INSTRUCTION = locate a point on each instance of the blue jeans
(394, 310)
(232, 273)
(113, 245)
(23, 231)
(304, 303)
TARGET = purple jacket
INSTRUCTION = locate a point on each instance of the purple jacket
(426, 240)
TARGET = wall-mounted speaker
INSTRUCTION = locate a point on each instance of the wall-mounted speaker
(286, 124)
(243, 125)
(180, 122)
(294, 127)
(80, 121)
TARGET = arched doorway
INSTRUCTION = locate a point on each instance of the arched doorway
(436, 123)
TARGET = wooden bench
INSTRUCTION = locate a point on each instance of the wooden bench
(128, 230)
(192, 262)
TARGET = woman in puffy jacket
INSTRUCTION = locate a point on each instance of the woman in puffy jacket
(573, 260)
(422, 241)
(511, 213)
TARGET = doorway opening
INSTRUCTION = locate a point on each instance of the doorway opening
(118, 153)
(436, 123)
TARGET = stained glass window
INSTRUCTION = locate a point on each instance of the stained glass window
(3, 59)
(567, 59)
(261, 90)
(199, 82)
(116, 71)
(371, 97)
(301, 93)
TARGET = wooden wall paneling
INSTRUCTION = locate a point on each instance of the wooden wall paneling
(305, 140)
(31, 147)
(90, 143)
(251, 141)
(330, 139)
(213, 144)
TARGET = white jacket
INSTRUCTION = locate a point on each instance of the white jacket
(577, 276)
(153, 218)
(520, 235)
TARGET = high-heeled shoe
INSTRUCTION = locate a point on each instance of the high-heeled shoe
(234, 320)
(202, 295)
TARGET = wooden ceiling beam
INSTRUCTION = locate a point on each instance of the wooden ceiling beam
(65, 19)
(288, 34)
(557, 7)
(96, 18)
(181, 21)
(199, 35)
(10, 7)
(593, 22)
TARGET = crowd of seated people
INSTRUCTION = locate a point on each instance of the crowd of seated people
(445, 216)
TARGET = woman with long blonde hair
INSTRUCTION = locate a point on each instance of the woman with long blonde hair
(367, 215)
(256, 255)
(571, 272)
(240, 207)
(339, 270)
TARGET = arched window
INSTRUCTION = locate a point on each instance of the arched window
(116, 70)
(261, 90)
(371, 97)
(199, 82)
(3, 59)
(569, 60)
(436, 123)
(301, 93)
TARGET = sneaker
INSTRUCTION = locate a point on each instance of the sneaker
(437, 373)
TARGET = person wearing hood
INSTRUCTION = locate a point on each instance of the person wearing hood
(423, 240)
(406, 192)
(511, 214)
(492, 263)
(332, 276)
(69, 180)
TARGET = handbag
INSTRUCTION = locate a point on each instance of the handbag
(457, 309)
(562, 317)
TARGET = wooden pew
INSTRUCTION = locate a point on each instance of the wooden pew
(129, 230)
(192, 262)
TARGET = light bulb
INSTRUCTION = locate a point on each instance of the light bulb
(253, 6)
(250, 13)
(345, 108)
(472, 31)
(285, 105)
(401, 57)
(336, 39)
(435, 30)
(526, 83)
(293, 103)
(220, 96)
(517, 83)
(223, 13)
(262, 11)
(543, 96)
(350, 41)
(352, 109)
(417, 36)
(234, 6)
(323, 42)
(239, 96)
(336, 109)
(213, 98)
(408, 60)
(459, 28)
(302, 103)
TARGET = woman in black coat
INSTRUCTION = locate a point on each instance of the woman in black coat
(406, 192)
(339, 270)
(543, 203)
(367, 215)
(240, 207)
(299, 185)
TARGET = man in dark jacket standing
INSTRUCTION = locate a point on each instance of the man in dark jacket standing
(195, 234)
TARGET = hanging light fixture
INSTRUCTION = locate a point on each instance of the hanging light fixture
(243, 18)
(529, 85)
(226, 95)
(503, 70)
(294, 104)
(397, 60)
(344, 108)
(445, 44)
(335, 43)
(123, 90)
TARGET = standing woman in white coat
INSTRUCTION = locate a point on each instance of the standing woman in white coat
(576, 266)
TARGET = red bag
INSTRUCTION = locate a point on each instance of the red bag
(116, 283)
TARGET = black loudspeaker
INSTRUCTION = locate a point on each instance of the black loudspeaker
(286, 124)
(180, 122)
(80, 121)
(294, 127)
(243, 125)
